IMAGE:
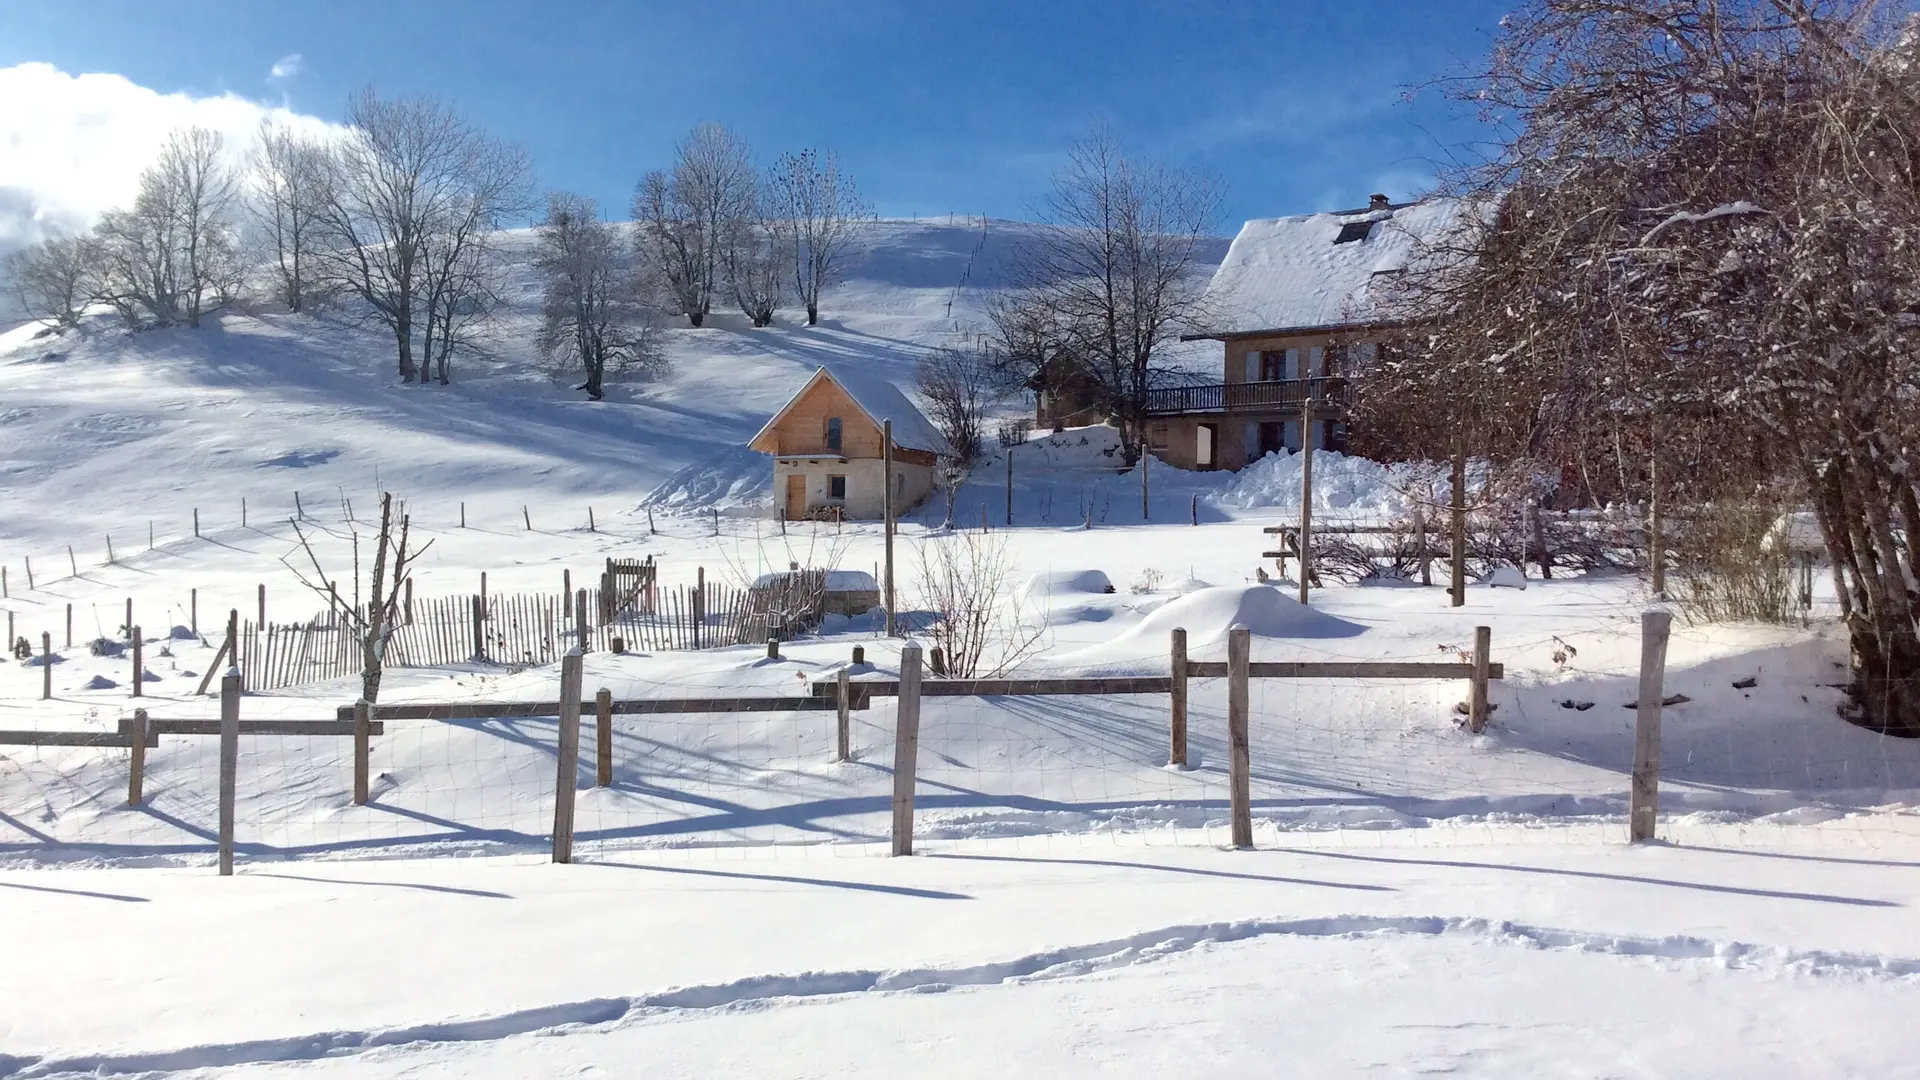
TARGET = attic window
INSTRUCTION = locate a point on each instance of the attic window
(1353, 231)
(833, 433)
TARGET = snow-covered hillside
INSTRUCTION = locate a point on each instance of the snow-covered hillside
(104, 431)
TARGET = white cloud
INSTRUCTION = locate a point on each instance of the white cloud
(286, 67)
(72, 146)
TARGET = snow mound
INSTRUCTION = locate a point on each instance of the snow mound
(181, 633)
(1062, 582)
(100, 682)
(1207, 614)
(1506, 577)
(1354, 485)
(736, 479)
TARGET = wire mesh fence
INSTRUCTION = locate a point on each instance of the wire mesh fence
(1346, 756)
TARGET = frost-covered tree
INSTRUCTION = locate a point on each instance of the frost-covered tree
(173, 255)
(413, 190)
(288, 171)
(596, 314)
(688, 215)
(1116, 264)
(822, 216)
(756, 265)
(52, 280)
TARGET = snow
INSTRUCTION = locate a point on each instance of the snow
(1287, 273)
(1421, 899)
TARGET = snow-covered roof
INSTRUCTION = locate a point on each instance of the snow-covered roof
(837, 580)
(1289, 274)
(881, 400)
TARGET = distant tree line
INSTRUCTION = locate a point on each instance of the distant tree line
(397, 221)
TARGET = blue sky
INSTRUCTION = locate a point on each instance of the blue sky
(955, 107)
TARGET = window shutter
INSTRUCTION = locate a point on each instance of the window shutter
(1252, 431)
(1293, 364)
(1253, 366)
(1316, 361)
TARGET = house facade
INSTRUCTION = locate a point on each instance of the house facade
(826, 443)
(1299, 305)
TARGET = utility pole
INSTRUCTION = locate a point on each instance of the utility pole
(887, 512)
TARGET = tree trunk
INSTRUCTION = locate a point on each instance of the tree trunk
(813, 314)
(403, 341)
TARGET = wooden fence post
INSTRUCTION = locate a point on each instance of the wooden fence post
(843, 727)
(1482, 660)
(1306, 490)
(193, 611)
(362, 727)
(138, 667)
(1420, 542)
(699, 602)
(69, 626)
(1177, 718)
(479, 634)
(1146, 512)
(569, 757)
(580, 618)
(1239, 763)
(1644, 802)
(1193, 509)
(137, 761)
(229, 763)
(603, 737)
(262, 621)
(906, 748)
(1009, 485)
(196, 523)
(46, 666)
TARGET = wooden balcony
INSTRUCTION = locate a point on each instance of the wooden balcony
(1329, 394)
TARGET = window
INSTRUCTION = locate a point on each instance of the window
(1273, 365)
(1353, 231)
(833, 435)
(836, 487)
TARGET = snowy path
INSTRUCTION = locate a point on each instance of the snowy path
(1497, 944)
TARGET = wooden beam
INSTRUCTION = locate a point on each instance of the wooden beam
(1389, 669)
(1239, 767)
(1644, 800)
(1177, 712)
(69, 738)
(906, 749)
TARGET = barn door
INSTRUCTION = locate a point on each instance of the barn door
(796, 496)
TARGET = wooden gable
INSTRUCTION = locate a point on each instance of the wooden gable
(801, 427)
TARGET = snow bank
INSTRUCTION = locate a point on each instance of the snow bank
(1062, 582)
(1207, 614)
(1354, 485)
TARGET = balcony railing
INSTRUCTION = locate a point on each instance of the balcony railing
(1329, 392)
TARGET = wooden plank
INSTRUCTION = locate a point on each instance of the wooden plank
(906, 748)
(1644, 801)
(1341, 669)
(1147, 684)
(69, 738)
(567, 763)
(503, 710)
(342, 727)
(1239, 767)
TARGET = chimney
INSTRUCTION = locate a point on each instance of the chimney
(1378, 202)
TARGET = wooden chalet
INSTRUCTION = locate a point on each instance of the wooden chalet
(827, 448)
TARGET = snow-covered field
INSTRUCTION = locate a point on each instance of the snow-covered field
(1421, 900)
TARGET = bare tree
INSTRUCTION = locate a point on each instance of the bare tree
(1117, 263)
(596, 313)
(289, 173)
(756, 263)
(1690, 291)
(172, 256)
(411, 191)
(688, 214)
(372, 620)
(960, 384)
(1034, 349)
(982, 622)
(822, 214)
(53, 280)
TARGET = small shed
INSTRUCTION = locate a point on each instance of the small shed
(827, 448)
(840, 592)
